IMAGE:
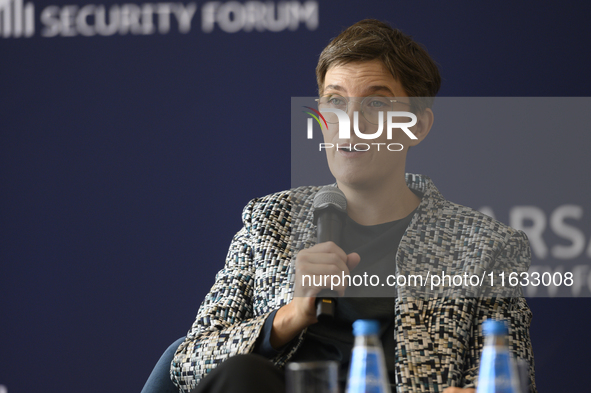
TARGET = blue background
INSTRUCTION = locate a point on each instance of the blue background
(126, 160)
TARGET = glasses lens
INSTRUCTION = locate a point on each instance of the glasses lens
(333, 101)
(372, 106)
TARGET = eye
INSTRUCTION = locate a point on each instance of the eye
(377, 103)
(336, 101)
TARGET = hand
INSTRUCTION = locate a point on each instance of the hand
(317, 261)
(459, 390)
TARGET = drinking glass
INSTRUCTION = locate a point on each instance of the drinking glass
(312, 377)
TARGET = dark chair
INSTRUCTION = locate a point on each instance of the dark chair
(159, 380)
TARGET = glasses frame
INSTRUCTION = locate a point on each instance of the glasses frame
(392, 101)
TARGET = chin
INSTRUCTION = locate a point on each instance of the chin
(355, 181)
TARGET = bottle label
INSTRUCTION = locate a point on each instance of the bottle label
(366, 373)
(496, 372)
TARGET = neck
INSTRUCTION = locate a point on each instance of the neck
(377, 205)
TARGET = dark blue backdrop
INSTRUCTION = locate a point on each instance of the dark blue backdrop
(126, 160)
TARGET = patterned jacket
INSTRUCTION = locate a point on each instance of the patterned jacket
(438, 338)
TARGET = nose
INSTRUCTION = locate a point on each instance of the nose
(354, 105)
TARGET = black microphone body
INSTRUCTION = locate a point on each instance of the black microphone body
(329, 224)
(330, 211)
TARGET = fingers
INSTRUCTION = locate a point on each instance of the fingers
(321, 266)
(328, 247)
(317, 267)
(353, 260)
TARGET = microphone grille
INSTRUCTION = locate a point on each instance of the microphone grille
(330, 196)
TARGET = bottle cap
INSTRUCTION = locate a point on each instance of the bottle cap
(365, 327)
(492, 327)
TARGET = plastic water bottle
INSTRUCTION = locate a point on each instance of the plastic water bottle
(497, 372)
(367, 371)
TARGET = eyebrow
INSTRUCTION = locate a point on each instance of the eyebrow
(368, 90)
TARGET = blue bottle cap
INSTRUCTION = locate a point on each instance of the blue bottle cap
(365, 327)
(494, 327)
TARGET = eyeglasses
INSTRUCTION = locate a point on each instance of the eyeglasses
(371, 106)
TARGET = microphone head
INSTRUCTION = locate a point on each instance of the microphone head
(330, 196)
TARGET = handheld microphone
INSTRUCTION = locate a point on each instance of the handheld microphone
(330, 211)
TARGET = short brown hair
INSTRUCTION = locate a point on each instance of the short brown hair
(407, 60)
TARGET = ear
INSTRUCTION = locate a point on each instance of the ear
(423, 126)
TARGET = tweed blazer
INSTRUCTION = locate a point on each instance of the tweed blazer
(438, 338)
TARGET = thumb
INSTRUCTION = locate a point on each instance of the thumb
(353, 260)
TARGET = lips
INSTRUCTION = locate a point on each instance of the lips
(349, 150)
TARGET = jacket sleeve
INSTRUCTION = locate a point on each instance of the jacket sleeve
(226, 324)
(513, 309)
